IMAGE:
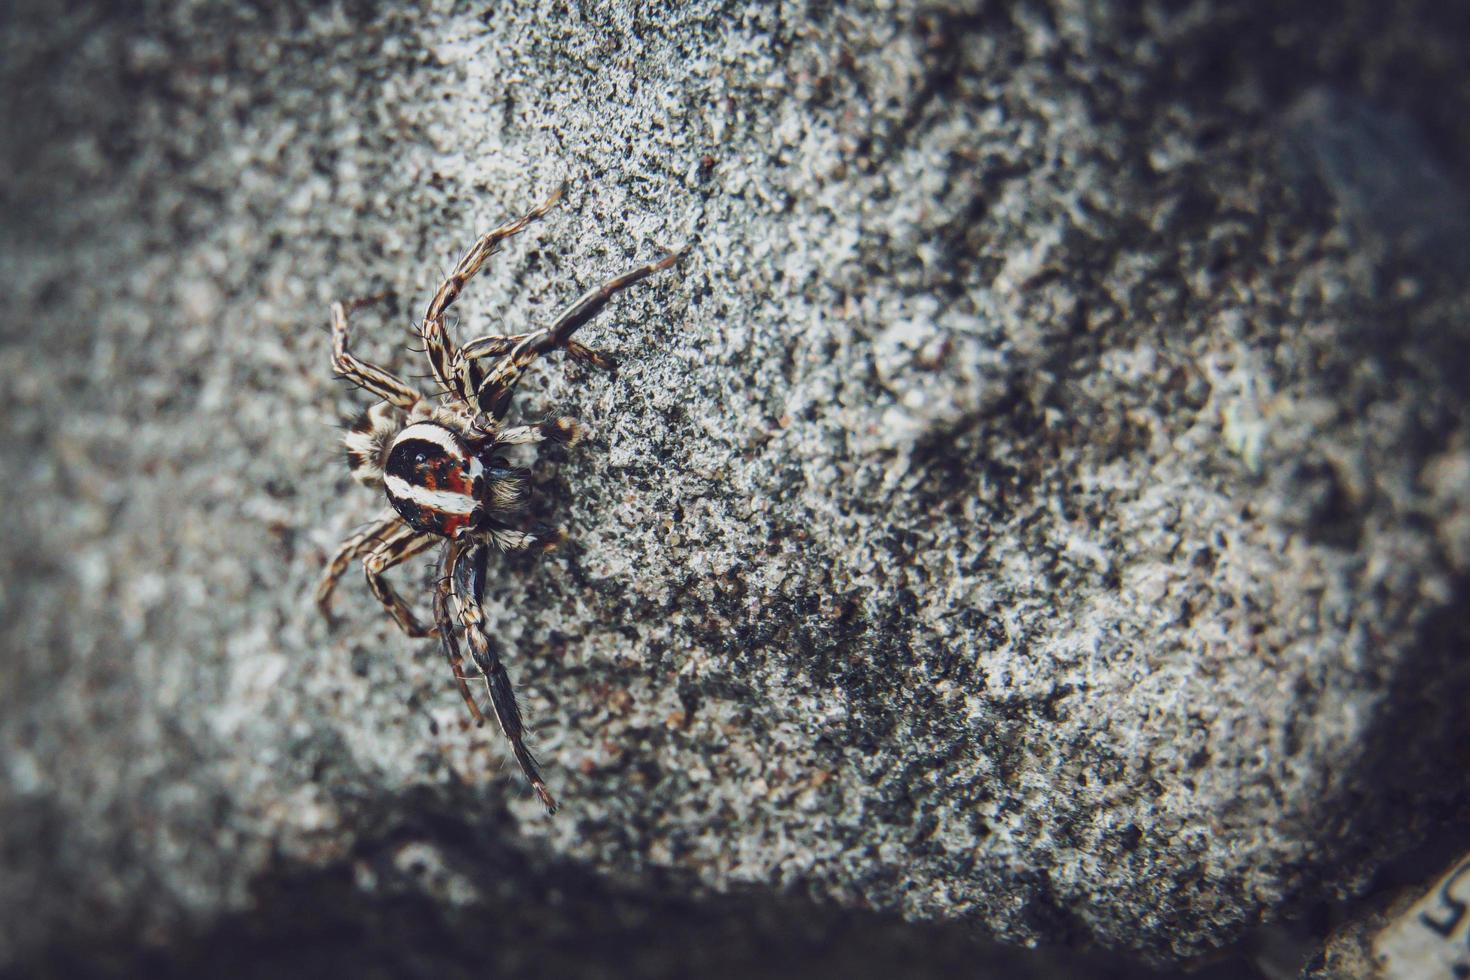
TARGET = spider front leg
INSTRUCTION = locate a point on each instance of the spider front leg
(400, 544)
(497, 680)
(437, 345)
(494, 345)
(494, 392)
(384, 384)
(471, 374)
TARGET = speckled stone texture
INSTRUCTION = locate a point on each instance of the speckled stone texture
(1037, 503)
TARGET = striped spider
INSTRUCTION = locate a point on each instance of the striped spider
(443, 463)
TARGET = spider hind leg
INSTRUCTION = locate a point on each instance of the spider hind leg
(398, 545)
(467, 595)
(443, 593)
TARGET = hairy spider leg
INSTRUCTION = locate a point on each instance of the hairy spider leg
(468, 369)
(494, 393)
(472, 375)
(351, 550)
(565, 429)
(399, 545)
(544, 536)
(492, 669)
(443, 591)
(384, 384)
(437, 344)
(466, 366)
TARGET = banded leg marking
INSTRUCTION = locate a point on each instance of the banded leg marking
(437, 343)
(370, 377)
(400, 544)
(443, 593)
(565, 429)
(494, 393)
(497, 679)
(349, 551)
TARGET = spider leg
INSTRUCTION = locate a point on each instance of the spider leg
(443, 591)
(471, 374)
(496, 345)
(384, 384)
(398, 545)
(494, 393)
(466, 367)
(585, 354)
(491, 345)
(437, 344)
(350, 550)
(564, 430)
(497, 680)
(542, 535)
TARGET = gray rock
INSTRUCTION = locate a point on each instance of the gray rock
(1037, 503)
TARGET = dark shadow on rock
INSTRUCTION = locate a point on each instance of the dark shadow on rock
(1412, 783)
(1379, 172)
(385, 911)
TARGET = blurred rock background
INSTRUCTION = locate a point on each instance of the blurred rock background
(1033, 513)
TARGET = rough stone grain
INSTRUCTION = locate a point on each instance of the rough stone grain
(1037, 502)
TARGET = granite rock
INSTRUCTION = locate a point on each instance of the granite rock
(1037, 502)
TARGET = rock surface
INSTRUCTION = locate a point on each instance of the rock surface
(1037, 502)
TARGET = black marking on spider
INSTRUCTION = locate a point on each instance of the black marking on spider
(441, 462)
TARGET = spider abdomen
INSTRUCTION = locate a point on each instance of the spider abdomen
(433, 480)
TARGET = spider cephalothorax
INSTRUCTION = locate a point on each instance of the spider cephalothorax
(445, 465)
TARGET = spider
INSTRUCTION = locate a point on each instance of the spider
(443, 463)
